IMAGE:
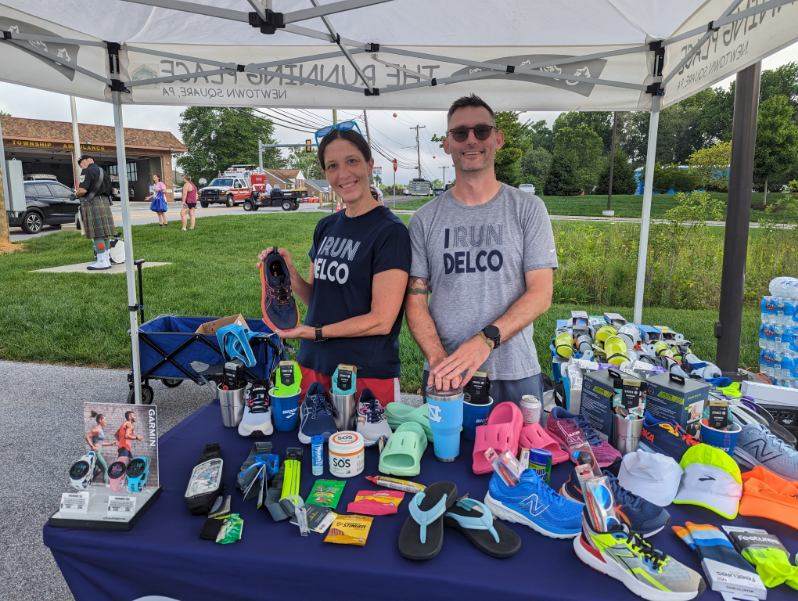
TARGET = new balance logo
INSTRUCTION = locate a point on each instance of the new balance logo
(534, 505)
(757, 448)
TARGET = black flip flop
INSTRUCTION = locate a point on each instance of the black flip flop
(421, 536)
(476, 522)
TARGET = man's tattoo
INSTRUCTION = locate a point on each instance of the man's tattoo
(418, 286)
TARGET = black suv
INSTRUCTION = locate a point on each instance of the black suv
(48, 203)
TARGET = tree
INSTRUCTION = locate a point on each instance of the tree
(707, 162)
(535, 166)
(576, 162)
(219, 137)
(776, 141)
(516, 141)
(307, 162)
(623, 177)
(540, 135)
(599, 122)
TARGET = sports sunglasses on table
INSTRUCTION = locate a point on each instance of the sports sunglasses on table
(481, 132)
(342, 126)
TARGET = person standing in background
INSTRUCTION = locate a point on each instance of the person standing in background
(158, 199)
(96, 218)
(189, 202)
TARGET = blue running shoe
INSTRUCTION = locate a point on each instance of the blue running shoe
(666, 437)
(317, 415)
(533, 503)
(640, 515)
(757, 445)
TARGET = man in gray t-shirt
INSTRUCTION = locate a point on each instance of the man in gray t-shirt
(482, 269)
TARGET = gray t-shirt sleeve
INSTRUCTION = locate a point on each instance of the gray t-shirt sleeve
(419, 266)
(539, 249)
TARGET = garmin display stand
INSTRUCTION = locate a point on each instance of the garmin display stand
(133, 479)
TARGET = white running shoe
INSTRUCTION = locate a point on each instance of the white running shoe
(371, 422)
(257, 419)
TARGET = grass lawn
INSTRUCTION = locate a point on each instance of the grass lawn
(624, 205)
(82, 319)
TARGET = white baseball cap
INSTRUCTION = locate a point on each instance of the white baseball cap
(652, 476)
(711, 480)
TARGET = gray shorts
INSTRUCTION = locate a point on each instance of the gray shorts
(509, 390)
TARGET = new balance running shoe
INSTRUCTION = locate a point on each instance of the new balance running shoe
(757, 445)
(571, 430)
(666, 437)
(277, 303)
(644, 570)
(639, 514)
(257, 418)
(533, 503)
(371, 422)
(316, 415)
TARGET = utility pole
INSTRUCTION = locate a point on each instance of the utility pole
(366, 122)
(444, 174)
(418, 147)
(260, 154)
(335, 116)
(5, 240)
(609, 212)
(75, 142)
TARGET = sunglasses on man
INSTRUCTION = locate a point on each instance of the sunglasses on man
(481, 132)
(342, 126)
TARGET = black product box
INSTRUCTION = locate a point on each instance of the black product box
(597, 394)
(674, 398)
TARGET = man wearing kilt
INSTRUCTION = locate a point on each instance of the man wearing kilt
(95, 210)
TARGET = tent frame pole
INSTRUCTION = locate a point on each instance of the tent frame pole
(133, 307)
(645, 222)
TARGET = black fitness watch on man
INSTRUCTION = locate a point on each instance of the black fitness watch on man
(205, 483)
(492, 334)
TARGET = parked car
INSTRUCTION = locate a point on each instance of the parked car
(48, 203)
(177, 193)
(287, 199)
(41, 177)
(527, 188)
(131, 193)
(230, 191)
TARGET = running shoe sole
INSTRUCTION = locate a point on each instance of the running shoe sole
(613, 570)
(564, 493)
(510, 515)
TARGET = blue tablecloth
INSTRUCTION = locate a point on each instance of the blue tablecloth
(164, 555)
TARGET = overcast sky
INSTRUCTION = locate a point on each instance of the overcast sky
(390, 129)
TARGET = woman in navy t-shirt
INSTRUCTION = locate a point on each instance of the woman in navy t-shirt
(360, 260)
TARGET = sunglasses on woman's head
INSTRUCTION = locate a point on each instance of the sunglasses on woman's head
(481, 132)
(342, 126)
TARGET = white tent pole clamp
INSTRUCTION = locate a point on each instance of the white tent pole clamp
(645, 222)
(121, 168)
(711, 28)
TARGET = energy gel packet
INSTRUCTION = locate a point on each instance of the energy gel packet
(326, 493)
(349, 530)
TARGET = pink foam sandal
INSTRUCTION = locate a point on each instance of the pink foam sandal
(533, 436)
(501, 432)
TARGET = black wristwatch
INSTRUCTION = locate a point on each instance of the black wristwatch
(318, 335)
(492, 333)
(205, 483)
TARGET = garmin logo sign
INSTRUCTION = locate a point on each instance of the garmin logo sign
(152, 428)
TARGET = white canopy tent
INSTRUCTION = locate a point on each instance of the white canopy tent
(588, 55)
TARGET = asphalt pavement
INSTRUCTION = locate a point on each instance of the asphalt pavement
(41, 432)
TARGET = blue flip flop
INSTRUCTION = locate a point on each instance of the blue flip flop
(476, 522)
(421, 536)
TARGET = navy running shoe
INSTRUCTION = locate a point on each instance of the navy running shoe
(533, 503)
(640, 515)
(666, 437)
(317, 415)
(277, 302)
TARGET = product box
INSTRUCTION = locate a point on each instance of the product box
(209, 327)
(597, 395)
(673, 398)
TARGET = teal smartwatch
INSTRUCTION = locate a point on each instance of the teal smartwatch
(138, 470)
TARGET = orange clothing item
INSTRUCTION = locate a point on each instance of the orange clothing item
(768, 495)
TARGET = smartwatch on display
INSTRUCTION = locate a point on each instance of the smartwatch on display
(117, 474)
(205, 483)
(82, 471)
(138, 470)
(493, 335)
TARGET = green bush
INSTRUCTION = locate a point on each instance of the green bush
(623, 177)
(696, 206)
(674, 177)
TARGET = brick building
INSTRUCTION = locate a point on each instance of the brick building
(46, 147)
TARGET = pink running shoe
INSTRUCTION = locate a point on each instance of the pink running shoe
(571, 430)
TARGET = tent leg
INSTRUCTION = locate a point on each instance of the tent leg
(738, 216)
(121, 166)
(645, 223)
